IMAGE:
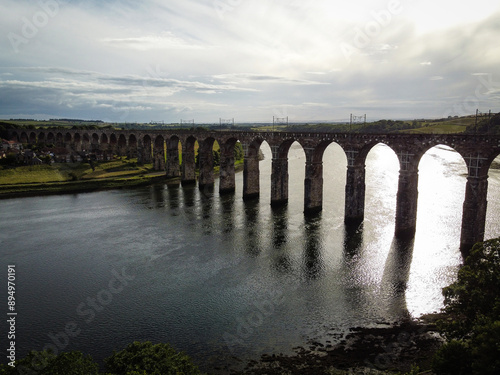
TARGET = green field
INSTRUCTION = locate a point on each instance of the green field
(61, 172)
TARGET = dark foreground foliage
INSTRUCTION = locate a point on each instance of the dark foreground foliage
(138, 358)
(472, 306)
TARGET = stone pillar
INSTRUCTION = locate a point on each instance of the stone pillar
(227, 182)
(406, 205)
(279, 181)
(140, 152)
(206, 160)
(173, 167)
(313, 187)
(188, 164)
(474, 212)
(159, 156)
(147, 152)
(251, 176)
(355, 195)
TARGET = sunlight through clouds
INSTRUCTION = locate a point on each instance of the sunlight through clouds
(232, 58)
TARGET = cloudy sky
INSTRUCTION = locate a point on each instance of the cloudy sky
(310, 60)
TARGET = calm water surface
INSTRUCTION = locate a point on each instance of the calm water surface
(216, 276)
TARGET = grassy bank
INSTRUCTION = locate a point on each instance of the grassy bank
(61, 178)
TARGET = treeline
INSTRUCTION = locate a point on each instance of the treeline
(490, 125)
(380, 126)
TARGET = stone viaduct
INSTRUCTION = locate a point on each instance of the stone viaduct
(161, 147)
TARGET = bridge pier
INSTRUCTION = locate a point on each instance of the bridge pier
(159, 156)
(251, 176)
(147, 152)
(188, 164)
(206, 160)
(406, 204)
(313, 187)
(474, 213)
(279, 181)
(227, 183)
(173, 167)
(355, 195)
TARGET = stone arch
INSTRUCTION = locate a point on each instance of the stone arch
(113, 140)
(41, 137)
(104, 139)
(59, 139)
(67, 138)
(382, 163)
(132, 151)
(122, 145)
(32, 138)
(14, 137)
(51, 138)
(24, 137)
(441, 192)
(77, 139)
(86, 139)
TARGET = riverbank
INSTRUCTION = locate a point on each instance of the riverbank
(383, 349)
(98, 180)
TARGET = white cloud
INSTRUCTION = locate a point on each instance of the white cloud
(134, 61)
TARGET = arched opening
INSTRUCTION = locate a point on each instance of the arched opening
(67, 138)
(382, 171)
(85, 142)
(24, 137)
(334, 180)
(32, 138)
(77, 138)
(41, 137)
(132, 146)
(104, 139)
(441, 191)
(492, 229)
(122, 145)
(50, 138)
(14, 137)
(59, 140)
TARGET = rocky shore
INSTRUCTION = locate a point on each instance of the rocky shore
(382, 349)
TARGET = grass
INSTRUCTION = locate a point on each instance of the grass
(31, 174)
(63, 172)
(448, 126)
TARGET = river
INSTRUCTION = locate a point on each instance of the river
(216, 276)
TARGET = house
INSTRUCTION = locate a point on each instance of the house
(11, 145)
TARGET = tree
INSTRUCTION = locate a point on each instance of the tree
(472, 307)
(141, 358)
(47, 363)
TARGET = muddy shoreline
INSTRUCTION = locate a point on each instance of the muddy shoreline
(383, 349)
